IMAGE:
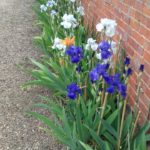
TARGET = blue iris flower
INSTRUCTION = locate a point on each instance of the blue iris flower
(98, 71)
(111, 89)
(108, 78)
(102, 68)
(106, 54)
(127, 61)
(113, 81)
(73, 90)
(105, 50)
(115, 84)
(78, 69)
(94, 76)
(104, 46)
(122, 90)
(75, 53)
(141, 68)
(129, 72)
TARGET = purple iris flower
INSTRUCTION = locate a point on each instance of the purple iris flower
(127, 61)
(129, 72)
(108, 78)
(104, 46)
(112, 80)
(102, 68)
(78, 69)
(98, 71)
(106, 54)
(122, 90)
(115, 84)
(75, 53)
(141, 68)
(73, 90)
(111, 89)
(116, 79)
(105, 50)
(94, 76)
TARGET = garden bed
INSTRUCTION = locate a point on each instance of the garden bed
(88, 73)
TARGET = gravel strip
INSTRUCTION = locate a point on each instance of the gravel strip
(17, 132)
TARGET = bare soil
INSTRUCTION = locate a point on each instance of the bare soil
(18, 132)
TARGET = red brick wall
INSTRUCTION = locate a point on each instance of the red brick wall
(133, 18)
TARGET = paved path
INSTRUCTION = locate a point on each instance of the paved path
(17, 132)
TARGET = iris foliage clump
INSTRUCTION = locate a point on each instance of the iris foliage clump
(88, 74)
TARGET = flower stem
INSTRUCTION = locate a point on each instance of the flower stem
(138, 91)
(103, 92)
(85, 89)
(121, 125)
(138, 87)
(102, 113)
(135, 124)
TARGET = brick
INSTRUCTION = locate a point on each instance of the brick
(146, 10)
(147, 45)
(147, 56)
(138, 16)
(133, 43)
(146, 79)
(108, 1)
(147, 67)
(134, 24)
(138, 37)
(132, 12)
(124, 8)
(144, 104)
(129, 2)
(145, 21)
(129, 50)
(138, 5)
(131, 101)
(144, 31)
(146, 89)
(132, 82)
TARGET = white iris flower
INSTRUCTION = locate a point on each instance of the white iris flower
(80, 10)
(53, 12)
(58, 44)
(108, 26)
(69, 21)
(43, 8)
(51, 3)
(91, 44)
(73, 1)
